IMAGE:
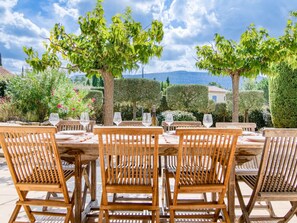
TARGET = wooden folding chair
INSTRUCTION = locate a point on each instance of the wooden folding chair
(181, 124)
(34, 163)
(204, 164)
(131, 123)
(65, 125)
(277, 176)
(245, 126)
(129, 165)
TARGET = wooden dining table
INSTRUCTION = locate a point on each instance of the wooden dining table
(84, 149)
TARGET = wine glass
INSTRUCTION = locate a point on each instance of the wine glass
(207, 120)
(84, 119)
(117, 118)
(168, 120)
(54, 119)
(146, 119)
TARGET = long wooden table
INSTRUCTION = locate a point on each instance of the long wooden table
(85, 149)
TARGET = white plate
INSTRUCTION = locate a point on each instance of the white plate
(255, 138)
(61, 137)
(73, 132)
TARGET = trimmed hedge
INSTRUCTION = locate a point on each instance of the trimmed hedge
(283, 97)
(192, 97)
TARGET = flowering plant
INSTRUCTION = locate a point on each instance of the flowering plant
(70, 102)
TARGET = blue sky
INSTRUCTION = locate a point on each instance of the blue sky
(187, 23)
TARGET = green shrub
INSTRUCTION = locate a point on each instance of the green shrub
(8, 110)
(96, 97)
(191, 97)
(283, 97)
(178, 116)
(37, 94)
(3, 84)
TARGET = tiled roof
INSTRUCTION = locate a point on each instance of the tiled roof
(216, 89)
(5, 73)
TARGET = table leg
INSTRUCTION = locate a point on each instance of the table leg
(93, 180)
(231, 194)
(78, 188)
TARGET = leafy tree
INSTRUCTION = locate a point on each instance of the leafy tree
(283, 97)
(211, 105)
(221, 111)
(251, 55)
(101, 49)
(146, 93)
(263, 85)
(192, 97)
(250, 101)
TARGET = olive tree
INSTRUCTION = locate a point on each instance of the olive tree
(145, 93)
(250, 101)
(101, 49)
(191, 97)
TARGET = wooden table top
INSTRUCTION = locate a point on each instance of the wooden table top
(87, 144)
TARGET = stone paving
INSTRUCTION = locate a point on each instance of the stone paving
(8, 197)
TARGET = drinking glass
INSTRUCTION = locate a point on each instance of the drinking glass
(54, 119)
(168, 120)
(207, 120)
(146, 119)
(84, 119)
(117, 118)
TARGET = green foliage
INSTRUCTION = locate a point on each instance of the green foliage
(3, 84)
(283, 97)
(221, 113)
(137, 92)
(101, 48)
(163, 106)
(178, 116)
(211, 105)
(8, 110)
(253, 54)
(96, 96)
(187, 97)
(37, 94)
(250, 101)
(264, 86)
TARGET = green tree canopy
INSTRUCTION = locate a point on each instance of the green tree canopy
(145, 93)
(191, 97)
(248, 57)
(101, 49)
(250, 101)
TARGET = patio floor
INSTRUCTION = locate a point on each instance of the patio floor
(8, 197)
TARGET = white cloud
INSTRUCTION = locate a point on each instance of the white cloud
(65, 11)
(8, 4)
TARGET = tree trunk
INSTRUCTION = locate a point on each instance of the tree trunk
(108, 97)
(246, 116)
(235, 96)
(134, 111)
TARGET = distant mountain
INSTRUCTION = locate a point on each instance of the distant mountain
(183, 77)
(186, 77)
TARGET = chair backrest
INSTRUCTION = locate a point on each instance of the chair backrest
(245, 126)
(205, 156)
(278, 167)
(128, 152)
(181, 124)
(64, 125)
(31, 154)
(131, 123)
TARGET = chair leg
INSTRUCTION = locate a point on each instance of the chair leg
(15, 213)
(226, 215)
(172, 215)
(245, 214)
(290, 213)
